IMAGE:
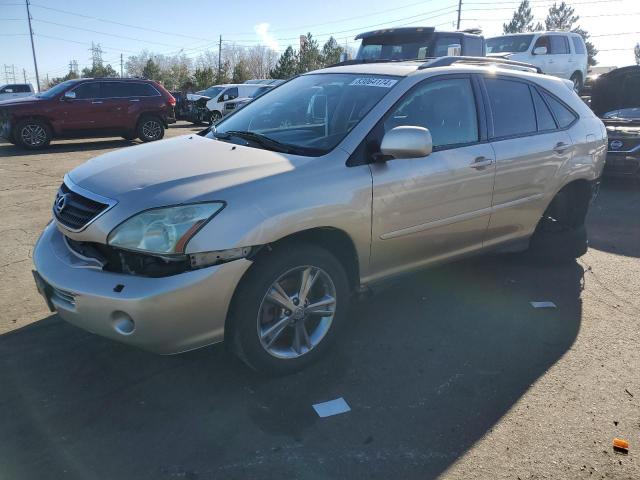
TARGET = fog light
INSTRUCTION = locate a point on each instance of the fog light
(123, 323)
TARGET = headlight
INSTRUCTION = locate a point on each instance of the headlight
(163, 230)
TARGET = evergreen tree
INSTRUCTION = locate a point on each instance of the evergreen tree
(522, 20)
(240, 72)
(203, 78)
(636, 52)
(151, 70)
(331, 52)
(287, 65)
(309, 57)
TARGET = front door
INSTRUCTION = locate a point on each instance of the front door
(431, 208)
(86, 112)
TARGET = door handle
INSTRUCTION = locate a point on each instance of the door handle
(96, 102)
(561, 147)
(134, 99)
(481, 163)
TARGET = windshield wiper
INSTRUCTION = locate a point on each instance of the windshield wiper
(265, 142)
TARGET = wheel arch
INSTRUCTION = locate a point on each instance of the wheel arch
(334, 240)
(578, 192)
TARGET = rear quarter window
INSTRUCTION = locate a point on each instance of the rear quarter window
(564, 116)
(511, 107)
(142, 90)
(578, 45)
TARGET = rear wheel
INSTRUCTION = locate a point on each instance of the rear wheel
(150, 129)
(32, 134)
(289, 309)
(561, 234)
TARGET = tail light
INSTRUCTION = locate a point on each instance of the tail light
(172, 100)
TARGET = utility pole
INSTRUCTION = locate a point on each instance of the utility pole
(459, 11)
(24, 75)
(220, 61)
(33, 48)
(121, 70)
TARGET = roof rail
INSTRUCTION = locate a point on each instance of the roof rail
(446, 61)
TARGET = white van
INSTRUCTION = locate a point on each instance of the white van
(228, 92)
(561, 54)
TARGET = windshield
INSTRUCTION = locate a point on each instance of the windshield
(396, 47)
(57, 89)
(211, 91)
(509, 44)
(311, 113)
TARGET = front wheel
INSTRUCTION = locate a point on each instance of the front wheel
(289, 309)
(150, 129)
(215, 117)
(32, 134)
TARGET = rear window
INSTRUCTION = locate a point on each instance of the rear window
(578, 45)
(115, 90)
(564, 116)
(142, 90)
(512, 107)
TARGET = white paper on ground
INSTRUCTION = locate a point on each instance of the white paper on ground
(543, 305)
(332, 407)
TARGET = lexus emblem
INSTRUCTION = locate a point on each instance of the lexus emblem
(60, 203)
(616, 144)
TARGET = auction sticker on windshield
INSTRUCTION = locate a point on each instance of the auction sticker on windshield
(374, 82)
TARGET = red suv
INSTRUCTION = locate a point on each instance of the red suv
(89, 107)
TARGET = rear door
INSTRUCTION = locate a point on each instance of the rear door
(431, 208)
(86, 112)
(116, 98)
(560, 62)
(530, 144)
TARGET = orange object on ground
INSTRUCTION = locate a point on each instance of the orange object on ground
(620, 444)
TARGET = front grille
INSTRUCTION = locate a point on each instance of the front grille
(75, 211)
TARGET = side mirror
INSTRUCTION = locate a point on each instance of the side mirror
(406, 142)
(540, 51)
(69, 95)
(454, 50)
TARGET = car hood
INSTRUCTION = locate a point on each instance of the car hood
(21, 101)
(183, 169)
(615, 95)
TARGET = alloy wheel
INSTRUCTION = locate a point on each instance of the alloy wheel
(152, 129)
(33, 135)
(297, 311)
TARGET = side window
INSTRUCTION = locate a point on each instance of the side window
(559, 45)
(578, 45)
(115, 90)
(7, 89)
(446, 107)
(142, 90)
(512, 107)
(87, 91)
(23, 89)
(232, 92)
(543, 42)
(564, 116)
(543, 115)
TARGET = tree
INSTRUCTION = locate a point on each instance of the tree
(287, 65)
(522, 20)
(309, 56)
(69, 76)
(561, 17)
(240, 72)
(636, 52)
(151, 70)
(99, 71)
(331, 52)
(203, 78)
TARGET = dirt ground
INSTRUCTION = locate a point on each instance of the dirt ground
(449, 374)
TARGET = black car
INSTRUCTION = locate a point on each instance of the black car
(615, 98)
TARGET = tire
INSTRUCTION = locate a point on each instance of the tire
(150, 128)
(32, 134)
(561, 235)
(269, 336)
(215, 117)
(578, 81)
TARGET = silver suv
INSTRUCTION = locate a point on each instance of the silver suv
(259, 231)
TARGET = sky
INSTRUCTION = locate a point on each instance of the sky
(64, 29)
